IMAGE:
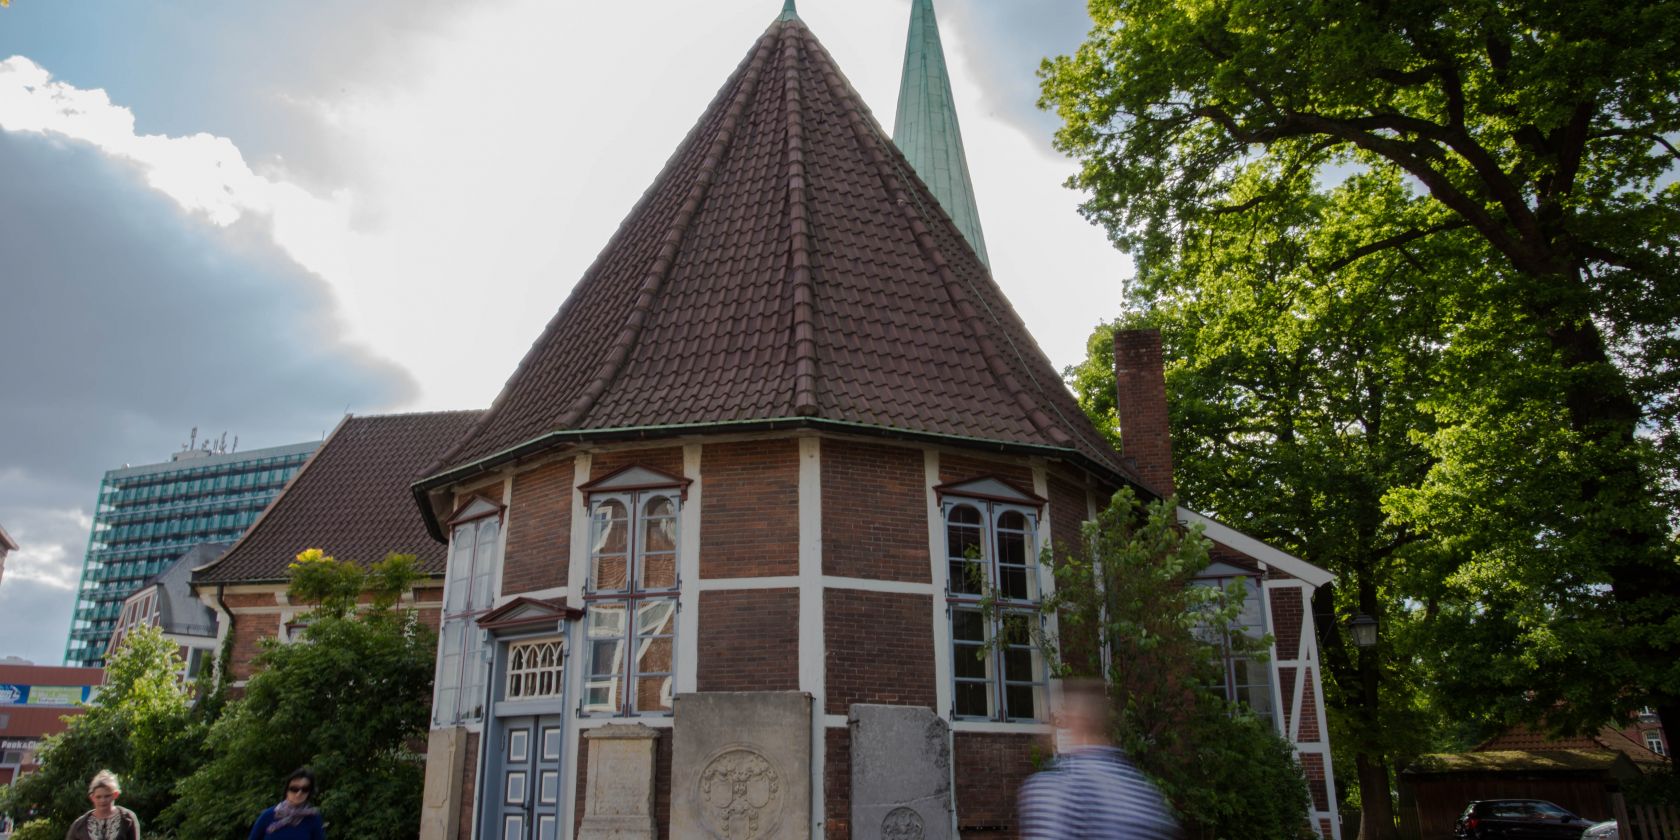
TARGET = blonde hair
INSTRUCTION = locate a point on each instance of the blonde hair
(104, 779)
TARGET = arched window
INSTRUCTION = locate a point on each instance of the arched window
(992, 596)
(534, 670)
(631, 614)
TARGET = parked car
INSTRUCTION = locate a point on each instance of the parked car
(1602, 831)
(1518, 819)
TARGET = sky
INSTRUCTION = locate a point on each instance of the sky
(256, 217)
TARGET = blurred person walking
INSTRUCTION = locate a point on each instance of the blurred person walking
(107, 820)
(1092, 791)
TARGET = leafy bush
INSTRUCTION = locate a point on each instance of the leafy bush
(346, 700)
(140, 726)
(1129, 613)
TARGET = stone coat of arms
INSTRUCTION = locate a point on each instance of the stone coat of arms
(740, 795)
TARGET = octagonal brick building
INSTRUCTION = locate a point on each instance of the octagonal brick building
(776, 432)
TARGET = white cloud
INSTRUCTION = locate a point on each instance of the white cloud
(44, 554)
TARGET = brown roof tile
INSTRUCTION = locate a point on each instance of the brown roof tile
(787, 263)
(351, 500)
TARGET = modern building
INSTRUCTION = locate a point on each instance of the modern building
(351, 501)
(166, 601)
(7, 546)
(148, 516)
(748, 544)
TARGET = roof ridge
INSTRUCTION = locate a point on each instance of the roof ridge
(968, 314)
(631, 330)
(799, 238)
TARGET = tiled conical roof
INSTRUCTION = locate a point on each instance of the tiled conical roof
(787, 265)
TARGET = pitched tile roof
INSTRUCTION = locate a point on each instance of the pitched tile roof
(787, 264)
(1607, 738)
(351, 500)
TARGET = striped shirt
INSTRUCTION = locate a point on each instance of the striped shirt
(1094, 793)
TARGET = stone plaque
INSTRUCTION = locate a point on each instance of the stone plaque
(440, 799)
(741, 766)
(618, 792)
(901, 774)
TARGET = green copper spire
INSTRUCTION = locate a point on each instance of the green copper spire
(926, 127)
(789, 12)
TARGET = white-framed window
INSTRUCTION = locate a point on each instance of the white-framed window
(1245, 679)
(997, 670)
(468, 593)
(630, 615)
(1654, 742)
(535, 670)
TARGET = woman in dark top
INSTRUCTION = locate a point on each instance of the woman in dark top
(294, 818)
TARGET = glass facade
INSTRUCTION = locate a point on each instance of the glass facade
(150, 515)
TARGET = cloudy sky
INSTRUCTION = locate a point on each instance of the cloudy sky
(253, 217)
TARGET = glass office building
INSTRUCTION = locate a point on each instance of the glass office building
(150, 515)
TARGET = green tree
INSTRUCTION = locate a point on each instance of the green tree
(1296, 407)
(140, 726)
(1536, 136)
(1127, 612)
(350, 699)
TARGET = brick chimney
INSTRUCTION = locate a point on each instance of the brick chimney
(1141, 402)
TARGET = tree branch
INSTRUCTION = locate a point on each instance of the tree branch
(1395, 241)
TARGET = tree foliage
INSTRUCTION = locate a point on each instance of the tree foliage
(1127, 611)
(140, 726)
(350, 699)
(1522, 233)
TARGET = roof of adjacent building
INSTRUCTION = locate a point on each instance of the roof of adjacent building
(787, 267)
(1606, 739)
(6, 541)
(926, 129)
(1528, 761)
(213, 460)
(179, 611)
(351, 500)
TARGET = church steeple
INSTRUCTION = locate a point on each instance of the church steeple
(788, 11)
(926, 126)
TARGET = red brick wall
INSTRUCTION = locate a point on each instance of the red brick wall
(661, 783)
(874, 511)
(959, 467)
(1145, 437)
(749, 509)
(837, 784)
(880, 649)
(469, 788)
(249, 629)
(1286, 690)
(539, 536)
(666, 459)
(1309, 708)
(1312, 764)
(1067, 513)
(1287, 613)
(990, 768)
(749, 640)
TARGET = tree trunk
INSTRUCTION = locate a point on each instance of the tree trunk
(1376, 808)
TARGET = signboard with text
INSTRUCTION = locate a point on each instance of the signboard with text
(12, 694)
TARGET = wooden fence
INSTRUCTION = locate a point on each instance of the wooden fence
(1645, 822)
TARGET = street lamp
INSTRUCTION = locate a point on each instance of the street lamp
(1364, 630)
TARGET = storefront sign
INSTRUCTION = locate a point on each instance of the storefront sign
(12, 694)
(24, 744)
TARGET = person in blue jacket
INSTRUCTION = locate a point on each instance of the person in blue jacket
(294, 818)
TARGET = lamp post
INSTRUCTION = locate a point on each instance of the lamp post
(1364, 630)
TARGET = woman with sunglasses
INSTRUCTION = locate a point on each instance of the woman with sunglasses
(294, 818)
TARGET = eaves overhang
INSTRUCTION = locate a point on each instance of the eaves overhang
(425, 486)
